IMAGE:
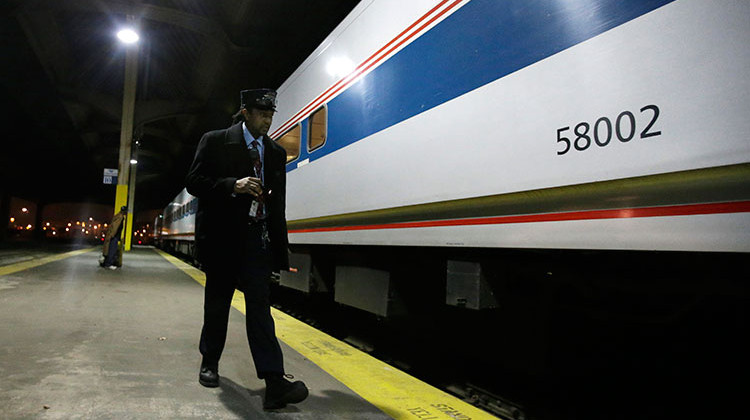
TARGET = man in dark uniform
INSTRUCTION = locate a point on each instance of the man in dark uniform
(239, 177)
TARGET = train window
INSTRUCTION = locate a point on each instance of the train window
(290, 142)
(318, 129)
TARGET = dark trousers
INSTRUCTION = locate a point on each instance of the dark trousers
(250, 273)
(112, 252)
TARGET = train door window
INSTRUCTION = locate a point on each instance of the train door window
(318, 129)
(290, 142)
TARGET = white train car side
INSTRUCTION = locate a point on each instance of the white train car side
(517, 124)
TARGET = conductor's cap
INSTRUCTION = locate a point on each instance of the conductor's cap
(258, 98)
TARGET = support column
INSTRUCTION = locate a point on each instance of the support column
(126, 135)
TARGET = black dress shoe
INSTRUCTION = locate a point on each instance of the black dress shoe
(209, 376)
(280, 392)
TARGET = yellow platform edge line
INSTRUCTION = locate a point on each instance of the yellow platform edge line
(25, 265)
(396, 393)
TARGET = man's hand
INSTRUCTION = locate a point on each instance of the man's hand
(248, 185)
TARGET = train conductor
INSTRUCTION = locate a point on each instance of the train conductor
(239, 177)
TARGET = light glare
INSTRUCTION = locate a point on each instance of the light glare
(339, 66)
(128, 36)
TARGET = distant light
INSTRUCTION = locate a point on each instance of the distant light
(339, 66)
(12, 219)
(24, 210)
(133, 162)
(28, 227)
(128, 36)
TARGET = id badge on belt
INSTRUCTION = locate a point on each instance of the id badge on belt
(253, 208)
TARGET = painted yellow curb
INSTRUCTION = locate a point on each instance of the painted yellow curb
(396, 393)
(13, 268)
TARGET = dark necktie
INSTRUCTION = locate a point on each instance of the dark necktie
(258, 173)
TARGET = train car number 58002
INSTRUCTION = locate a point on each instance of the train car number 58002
(624, 128)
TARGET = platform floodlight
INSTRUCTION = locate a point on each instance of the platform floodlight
(128, 36)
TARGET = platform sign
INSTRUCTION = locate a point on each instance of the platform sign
(110, 176)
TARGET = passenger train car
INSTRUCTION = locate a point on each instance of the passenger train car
(458, 133)
(517, 124)
(587, 125)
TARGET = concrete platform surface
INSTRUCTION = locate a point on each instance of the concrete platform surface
(82, 342)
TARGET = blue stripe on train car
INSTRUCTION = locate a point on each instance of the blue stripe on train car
(483, 41)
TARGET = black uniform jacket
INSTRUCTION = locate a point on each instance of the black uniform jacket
(221, 159)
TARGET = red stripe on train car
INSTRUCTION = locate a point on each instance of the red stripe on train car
(364, 66)
(661, 211)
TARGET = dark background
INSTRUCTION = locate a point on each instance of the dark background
(61, 86)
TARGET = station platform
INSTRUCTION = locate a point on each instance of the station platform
(83, 342)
